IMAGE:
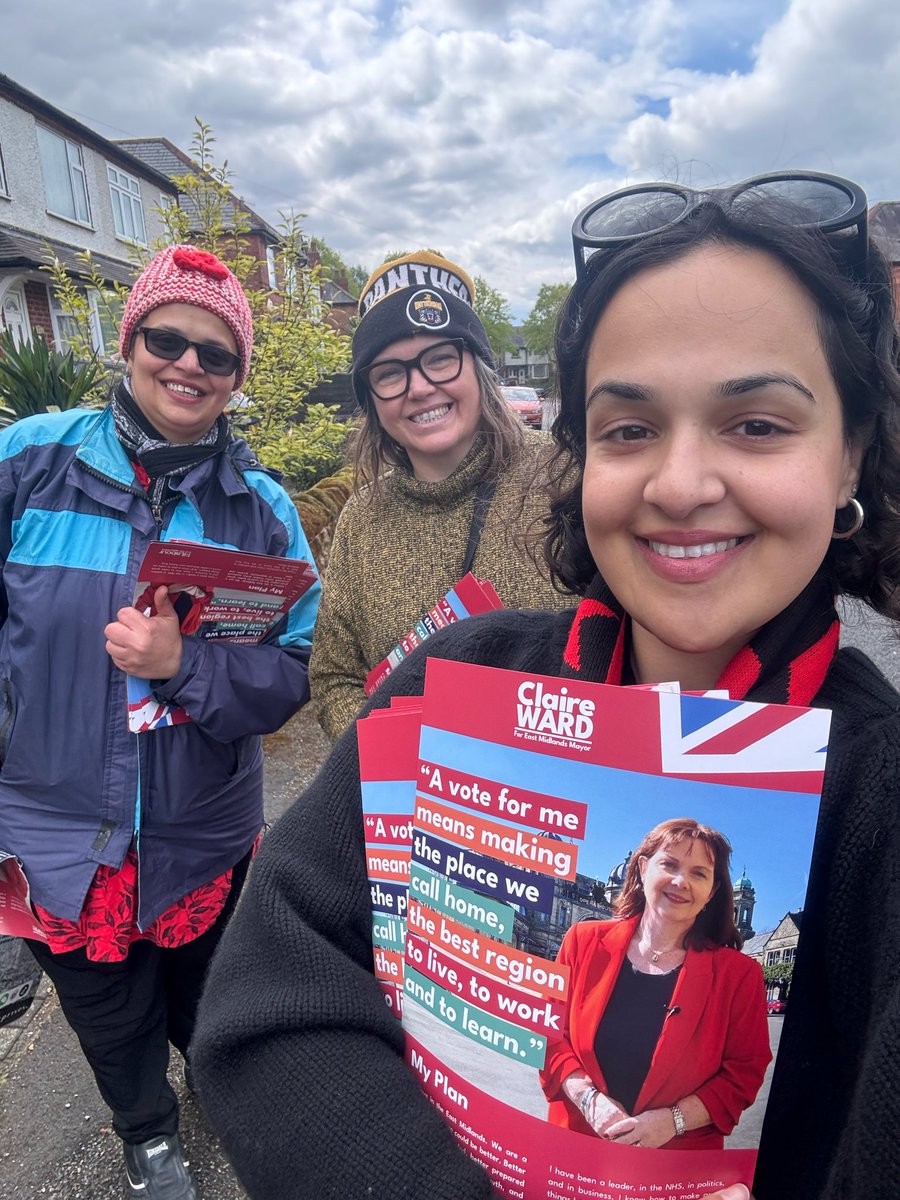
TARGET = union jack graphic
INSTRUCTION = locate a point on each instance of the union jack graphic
(734, 741)
(146, 711)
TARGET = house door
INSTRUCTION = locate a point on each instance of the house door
(15, 315)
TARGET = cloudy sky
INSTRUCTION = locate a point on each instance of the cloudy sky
(479, 127)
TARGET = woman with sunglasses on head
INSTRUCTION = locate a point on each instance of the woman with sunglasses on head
(443, 466)
(136, 846)
(730, 396)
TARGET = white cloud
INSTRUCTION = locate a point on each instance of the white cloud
(824, 80)
(477, 128)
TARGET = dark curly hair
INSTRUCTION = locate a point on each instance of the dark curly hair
(856, 317)
(715, 925)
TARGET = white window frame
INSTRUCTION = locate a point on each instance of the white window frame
(127, 205)
(58, 317)
(271, 268)
(75, 165)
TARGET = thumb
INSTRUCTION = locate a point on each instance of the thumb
(164, 608)
(736, 1191)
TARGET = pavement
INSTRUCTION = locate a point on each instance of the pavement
(55, 1138)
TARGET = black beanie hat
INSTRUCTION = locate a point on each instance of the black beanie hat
(419, 293)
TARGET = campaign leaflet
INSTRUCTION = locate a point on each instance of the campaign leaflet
(19, 973)
(16, 916)
(388, 757)
(467, 598)
(532, 795)
(218, 594)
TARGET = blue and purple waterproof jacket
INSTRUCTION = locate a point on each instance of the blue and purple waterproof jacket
(75, 785)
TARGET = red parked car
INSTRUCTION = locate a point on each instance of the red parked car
(526, 402)
(776, 1008)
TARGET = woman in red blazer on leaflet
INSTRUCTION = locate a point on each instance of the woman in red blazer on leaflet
(666, 1039)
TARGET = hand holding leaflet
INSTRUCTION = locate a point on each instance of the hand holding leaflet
(188, 589)
(146, 646)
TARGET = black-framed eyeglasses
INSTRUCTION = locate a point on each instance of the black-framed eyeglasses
(806, 199)
(441, 362)
(165, 343)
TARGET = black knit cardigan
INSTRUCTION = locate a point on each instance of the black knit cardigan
(300, 1063)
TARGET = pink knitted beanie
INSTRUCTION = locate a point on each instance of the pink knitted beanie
(186, 275)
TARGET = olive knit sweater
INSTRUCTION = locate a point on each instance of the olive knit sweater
(395, 554)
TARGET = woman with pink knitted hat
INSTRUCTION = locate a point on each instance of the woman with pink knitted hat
(135, 847)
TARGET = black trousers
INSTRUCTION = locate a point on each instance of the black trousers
(126, 1013)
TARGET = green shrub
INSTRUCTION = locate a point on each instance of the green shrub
(35, 379)
(308, 450)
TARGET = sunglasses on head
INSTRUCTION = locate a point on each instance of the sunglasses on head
(804, 199)
(164, 343)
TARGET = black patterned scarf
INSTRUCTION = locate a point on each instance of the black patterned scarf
(162, 461)
(785, 663)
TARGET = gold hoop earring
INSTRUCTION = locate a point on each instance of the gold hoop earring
(859, 515)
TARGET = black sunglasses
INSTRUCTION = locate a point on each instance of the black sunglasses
(441, 362)
(806, 199)
(164, 343)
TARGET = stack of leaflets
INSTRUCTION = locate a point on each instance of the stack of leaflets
(515, 821)
(218, 594)
(469, 597)
(388, 758)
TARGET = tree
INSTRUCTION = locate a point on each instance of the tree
(335, 268)
(357, 278)
(93, 308)
(295, 348)
(539, 330)
(779, 974)
(494, 313)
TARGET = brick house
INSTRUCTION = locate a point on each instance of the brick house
(261, 239)
(66, 188)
